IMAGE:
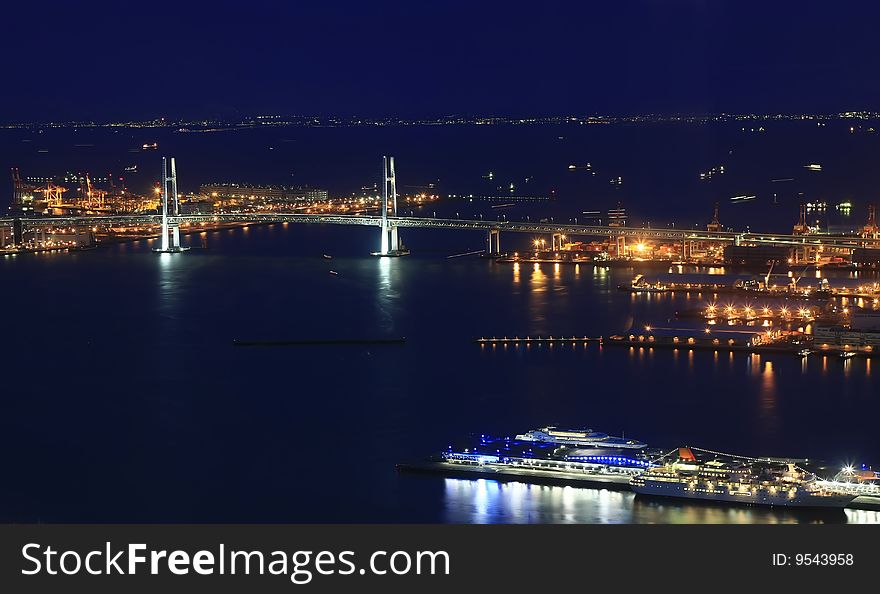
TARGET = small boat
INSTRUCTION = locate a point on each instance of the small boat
(334, 273)
(327, 257)
(847, 354)
(804, 353)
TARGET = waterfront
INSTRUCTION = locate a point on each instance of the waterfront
(134, 405)
(660, 165)
(488, 502)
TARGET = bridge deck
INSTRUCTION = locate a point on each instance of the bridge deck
(847, 241)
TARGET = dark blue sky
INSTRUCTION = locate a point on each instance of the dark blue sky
(420, 58)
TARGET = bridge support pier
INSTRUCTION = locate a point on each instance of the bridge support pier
(163, 242)
(17, 232)
(493, 242)
(556, 241)
(169, 241)
(390, 244)
(390, 240)
(620, 246)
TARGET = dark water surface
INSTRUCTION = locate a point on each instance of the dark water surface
(125, 400)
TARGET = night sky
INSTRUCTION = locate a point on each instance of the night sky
(106, 61)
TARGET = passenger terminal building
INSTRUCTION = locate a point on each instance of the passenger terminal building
(863, 331)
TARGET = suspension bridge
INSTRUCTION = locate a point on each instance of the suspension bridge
(390, 221)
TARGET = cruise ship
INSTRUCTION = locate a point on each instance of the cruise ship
(583, 441)
(735, 480)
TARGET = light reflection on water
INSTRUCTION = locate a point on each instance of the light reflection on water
(490, 502)
(386, 295)
(768, 400)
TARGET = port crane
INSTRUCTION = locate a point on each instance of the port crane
(21, 190)
(796, 280)
(53, 194)
(767, 278)
(871, 230)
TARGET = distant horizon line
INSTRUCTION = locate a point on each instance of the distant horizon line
(276, 119)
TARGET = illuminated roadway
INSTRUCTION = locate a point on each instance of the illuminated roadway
(847, 241)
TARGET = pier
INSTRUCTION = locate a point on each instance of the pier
(541, 472)
(744, 341)
(592, 476)
(316, 342)
(537, 340)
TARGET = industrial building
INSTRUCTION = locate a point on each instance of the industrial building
(840, 336)
(866, 257)
(762, 255)
(863, 331)
(865, 319)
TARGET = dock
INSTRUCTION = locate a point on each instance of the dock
(508, 473)
(557, 477)
(316, 341)
(769, 348)
(538, 340)
(710, 342)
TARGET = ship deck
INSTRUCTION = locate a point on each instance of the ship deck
(552, 477)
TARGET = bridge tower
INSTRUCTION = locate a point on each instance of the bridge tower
(390, 245)
(170, 238)
(173, 180)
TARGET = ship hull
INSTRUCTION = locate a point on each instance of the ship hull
(764, 498)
